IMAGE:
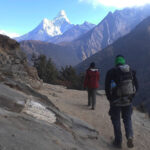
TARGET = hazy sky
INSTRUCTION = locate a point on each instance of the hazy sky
(21, 16)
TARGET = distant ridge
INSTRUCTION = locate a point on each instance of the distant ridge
(60, 55)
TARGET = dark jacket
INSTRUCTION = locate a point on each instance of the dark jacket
(113, 74)
(92, 78)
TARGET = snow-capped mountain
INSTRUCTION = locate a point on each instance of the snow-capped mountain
(62, 22)
(75, 32)
(49, 28)
(11, 35)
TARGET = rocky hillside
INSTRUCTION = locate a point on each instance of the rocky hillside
(113, 26)
(136, 49)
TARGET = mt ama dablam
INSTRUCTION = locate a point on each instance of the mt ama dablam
(53, 30)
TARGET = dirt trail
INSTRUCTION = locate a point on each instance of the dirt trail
(74, 103)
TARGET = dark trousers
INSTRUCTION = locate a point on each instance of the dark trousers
(126, 112)
(92, 97)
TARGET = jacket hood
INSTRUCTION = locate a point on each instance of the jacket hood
(124, 68)
(93, 69)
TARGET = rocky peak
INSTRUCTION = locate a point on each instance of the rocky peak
(88, 24)
(48, 28)
(45, 21)
(62, 16)
(62, 21)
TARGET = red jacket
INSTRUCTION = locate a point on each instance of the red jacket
(92, 78)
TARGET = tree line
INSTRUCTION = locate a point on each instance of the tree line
(49, 73)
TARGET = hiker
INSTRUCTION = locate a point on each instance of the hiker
(120, 87)
(91, 82)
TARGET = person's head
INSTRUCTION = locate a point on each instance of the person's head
(120, 60)
(92, 65)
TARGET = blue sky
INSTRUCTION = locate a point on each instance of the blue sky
(21, 16)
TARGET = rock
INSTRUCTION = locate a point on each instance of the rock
(32, 134)
(10, 99)
(39, 111)
(36, 123)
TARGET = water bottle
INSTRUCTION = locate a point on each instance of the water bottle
(113, 84)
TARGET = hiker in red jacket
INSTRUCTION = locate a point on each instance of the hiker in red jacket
(91, 82)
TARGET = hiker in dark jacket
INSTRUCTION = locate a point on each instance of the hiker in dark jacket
(120, 87)
(91, 82)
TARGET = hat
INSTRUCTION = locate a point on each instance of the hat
(92, 65)
(120, 60)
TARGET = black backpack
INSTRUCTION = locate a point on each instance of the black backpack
(125, 86)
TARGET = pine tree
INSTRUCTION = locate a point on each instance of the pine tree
(51, 72)
(47, 71)
(69, 75)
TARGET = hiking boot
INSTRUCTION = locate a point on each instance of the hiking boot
(93, 108)
(117, 144)
(130, 143)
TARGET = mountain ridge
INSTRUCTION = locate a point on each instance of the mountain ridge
(50, 50)
(113, 26)
(48, 29)
(73, 33)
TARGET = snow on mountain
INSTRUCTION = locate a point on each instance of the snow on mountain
(61, 17)
(49, 28)
(11, 35)
(73, 33)
(62, 21)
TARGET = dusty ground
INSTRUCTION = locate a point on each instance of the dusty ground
(74, 103)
